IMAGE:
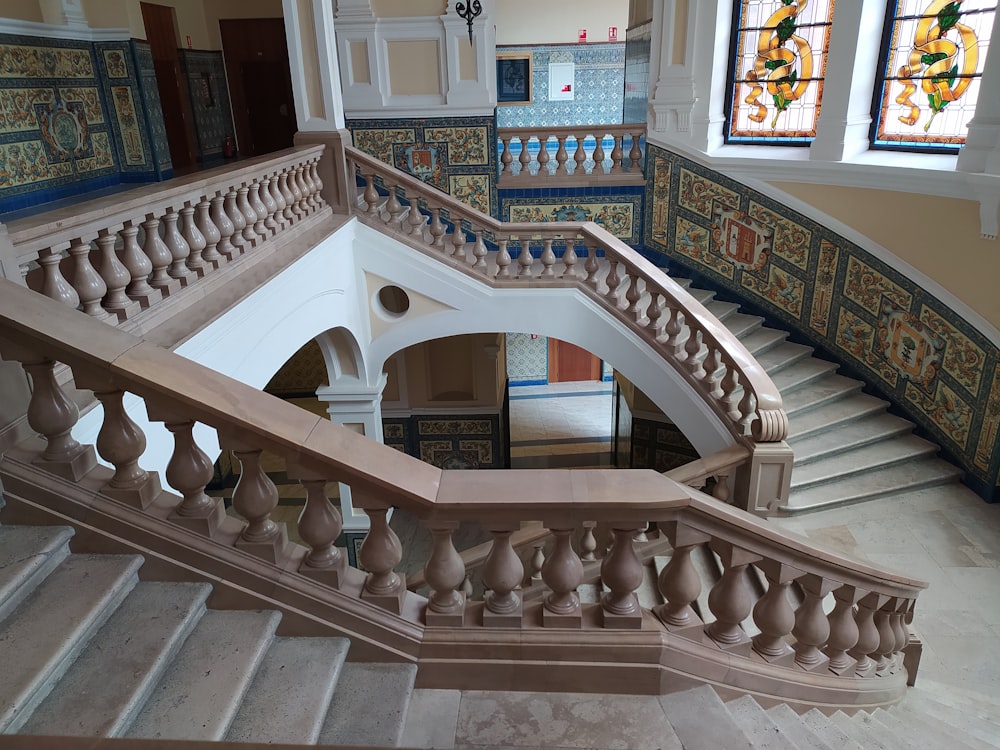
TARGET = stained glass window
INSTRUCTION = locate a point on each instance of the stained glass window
(932, 60)
(776, 82)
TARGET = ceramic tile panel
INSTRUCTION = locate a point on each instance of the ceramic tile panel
(469, 441)
(457, 155)
(149, 93)
(907, 345)
(527, 359)
(127, 107)
(213, 119)
(620, 216)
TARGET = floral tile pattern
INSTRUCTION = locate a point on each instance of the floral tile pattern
(618, 216)
(206, 81)
(907, 345)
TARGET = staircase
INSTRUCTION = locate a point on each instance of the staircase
(848, 447)
(88, 649)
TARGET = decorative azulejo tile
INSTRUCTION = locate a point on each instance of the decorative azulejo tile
(213, 119)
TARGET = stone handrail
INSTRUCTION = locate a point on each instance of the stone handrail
(116, 257)
(829, 657)
(652, 304)
(519, 166)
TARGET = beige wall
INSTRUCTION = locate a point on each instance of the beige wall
(22, 10)
(553, 22)
(937, 236)
(408, 8)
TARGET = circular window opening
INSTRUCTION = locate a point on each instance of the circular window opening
(393, 300)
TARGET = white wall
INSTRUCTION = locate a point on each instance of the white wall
(554, 22)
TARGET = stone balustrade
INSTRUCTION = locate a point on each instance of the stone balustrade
(796, 646)
(116, 256)
(577, 155)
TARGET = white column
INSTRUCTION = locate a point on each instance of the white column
(312, 57)
(357, 406)
(981, 152)
(851, 65)
(709, 51)
(63, 13)
(672, 96)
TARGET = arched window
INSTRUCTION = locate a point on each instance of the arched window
(778, 64)
(933, 52)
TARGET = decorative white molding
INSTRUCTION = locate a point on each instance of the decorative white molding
(55, 31)
(329, 69)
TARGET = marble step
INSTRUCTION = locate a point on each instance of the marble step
(863, 731)
(929, 732)
(762, 338)
(802, 375)
(135, 645)
(848, 436)
(964, 716)
(201, 691)
(966, 699)
(835, 413)
(743, 326)
(45, 634)
(762, 732)
(373, 710)
(27, 555)
(903, 477)
(701, 722)
(795, 730)
(829, 731)
(722, 310)
(868, 458)
(300, 675)
(830, 389)
(783, 355)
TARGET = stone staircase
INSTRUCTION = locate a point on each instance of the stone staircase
(88, 649)
(848, 447)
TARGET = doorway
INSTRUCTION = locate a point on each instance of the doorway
(569, 363)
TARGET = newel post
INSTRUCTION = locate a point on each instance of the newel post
(763, 483)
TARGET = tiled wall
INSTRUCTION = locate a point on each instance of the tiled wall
(902, 341)
(637, 72)
(152, 107)
(617, 209)
(454, 154)
(527, 359)
(658, 445)
(468, 441)
(598, 81)
(213, 120)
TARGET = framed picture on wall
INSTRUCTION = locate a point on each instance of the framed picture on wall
(513, 78)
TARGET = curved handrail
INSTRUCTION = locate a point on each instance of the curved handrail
(689, 338)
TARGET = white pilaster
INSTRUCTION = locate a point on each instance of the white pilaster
(357, 406)
(981, 152)
(709, 53)
(673, 95)
(63, 13)
(319, 104)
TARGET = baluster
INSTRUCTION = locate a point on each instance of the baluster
(503, 261)
(159, 255)
(195, 241)
(458, 240)
(392, 206)
(730, 599)
(679, 583)
(254, 498)
(288, 214)
(632, 296)
(692, 347)
(278, 199)
(579, 156)
(301, 192)
(562, 573)
(502, 573)
(617, 154)
(205, 224)
(748, 405)
(653, 313)
(116, 276)
(731, 390)
(89, 285)
(467, 587)
(506, 157)
(543, 156)
(249, 216)
(613, 281)
(773, 613)
(673, 330)
(712, 363)
(479, 251)
(381, 552)
(868, 635)
(54, 284)
(548, 258)
(588, 542)
(320, 523)
(415, 219)
(444, 573)
(227, 229)
(524, 158)
(721, 489)
(537, 562)
(259, 209)
(309, 203)
(318, 200)
(591, 266)
(561, 156)
(121, 443)
(598, 154)
(811, 627)
(886, 637)
(899, 628)
(635, 154)
(843, 630)
(621, 572)
(139, 267)
(53, 415)
(524, 259)
(189, 471)
(569, 259)
(239, 222)
(436, 228)
(178, 247)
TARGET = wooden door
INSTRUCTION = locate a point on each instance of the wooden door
(178, 119)
(568, 363)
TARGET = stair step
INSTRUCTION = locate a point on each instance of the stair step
(961, 698)
(27, 555)
(829, 731)
(962, 717)
(802, 373)
(43, 636)
(299, 675)
(934, 734)
(794, 729)
(743, 326)
(688, 714)
(373, 710)
(763, 339)
(135, 645)
(785, 354)
(881, 455)
(830, 389)
(863, 731)
(848, 436)
(905, 477)
(722, 310)
(833, 413)
(202, 689)
(763, 733)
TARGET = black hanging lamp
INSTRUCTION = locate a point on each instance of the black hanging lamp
(469, 11)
